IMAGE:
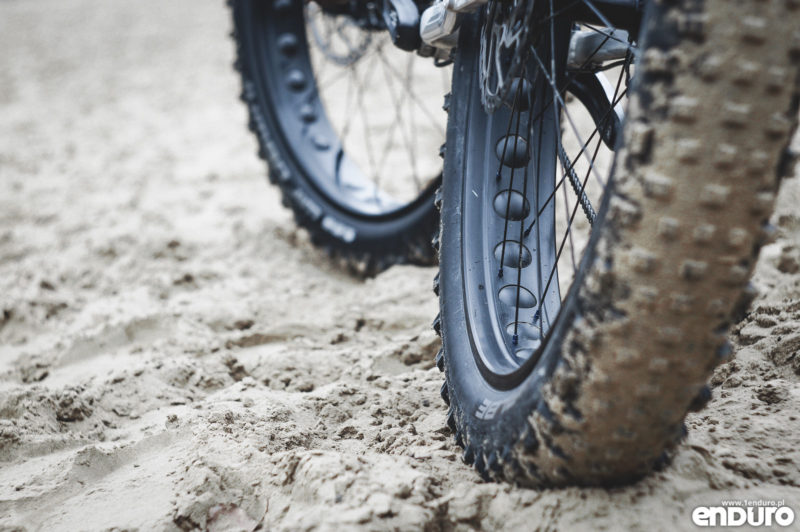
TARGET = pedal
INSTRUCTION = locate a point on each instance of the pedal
(402, 20)
(439, 23)
(439, 26)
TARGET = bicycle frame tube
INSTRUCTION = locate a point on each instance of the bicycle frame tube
(621, 14)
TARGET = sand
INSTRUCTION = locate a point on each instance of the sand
(175, 355)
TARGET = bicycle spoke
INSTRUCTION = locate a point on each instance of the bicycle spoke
(510, 183)
(362, 90)
(556, 95)
(572, 163)
(408, 139)
(415, 99)
(348, 115)
(528, 79)
(610, 35)
(508, 134)
(569, 226)
(384, 121)
(552, 78)
(412, 129)
(541, 210)
(575, 208)
(399, 100)
(344, 72)
(515, 337)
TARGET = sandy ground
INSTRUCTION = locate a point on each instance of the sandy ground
(175, 355)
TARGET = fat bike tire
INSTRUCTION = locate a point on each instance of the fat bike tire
(304, 155)
(705, 143)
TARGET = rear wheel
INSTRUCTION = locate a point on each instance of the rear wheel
(590, 270)
(349, 125)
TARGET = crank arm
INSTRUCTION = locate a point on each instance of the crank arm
(402, 20)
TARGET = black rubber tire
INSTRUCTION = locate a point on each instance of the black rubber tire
(643, 325)
(366, 244)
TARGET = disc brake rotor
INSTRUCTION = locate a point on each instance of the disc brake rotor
(505, 38)
(339, 37)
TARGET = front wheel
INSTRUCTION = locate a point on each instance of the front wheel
(589, 270)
